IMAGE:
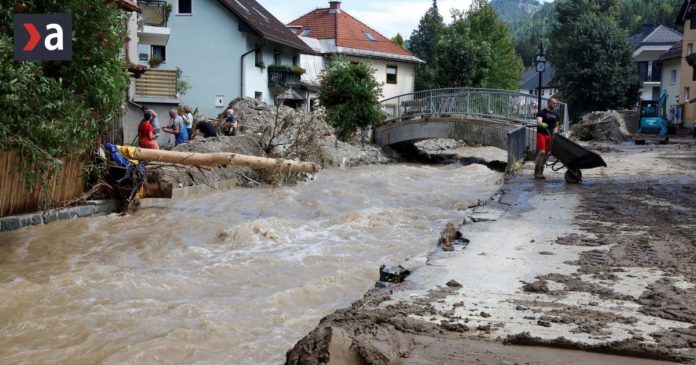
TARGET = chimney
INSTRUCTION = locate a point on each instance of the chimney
(334, 6)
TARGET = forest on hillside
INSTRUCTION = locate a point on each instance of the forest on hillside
(632, 15)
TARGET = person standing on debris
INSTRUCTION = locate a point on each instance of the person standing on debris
(154, 121)
(146, 132)
(231, 123)
(547, 126)
(177, 128)
(205, 128)
(188, 120)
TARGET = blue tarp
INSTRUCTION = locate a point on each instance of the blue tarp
(117, 157)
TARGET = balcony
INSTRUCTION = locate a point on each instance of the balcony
(649, 72)
(157, 86)
(284, 76)
(152, 27)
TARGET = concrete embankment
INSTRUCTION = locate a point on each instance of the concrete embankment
(605, 266)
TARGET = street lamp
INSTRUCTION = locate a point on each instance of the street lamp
(540, 60)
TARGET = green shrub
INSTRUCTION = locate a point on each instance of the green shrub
(54, 110)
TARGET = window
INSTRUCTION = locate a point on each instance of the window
(295, 60)
(692, 19)
(258, 57)
(690, 49)
(674, 76)
(306, 32)
(531, 92)
(369, 36)
(391, 74)
(258, 95)
(686, 94)
(276, 57)
(185, 7)
(159, 51)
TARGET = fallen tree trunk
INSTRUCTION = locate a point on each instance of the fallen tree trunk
(220, 158)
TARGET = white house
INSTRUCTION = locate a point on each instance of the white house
(529, 81)
(670, 63)
(648, 45)
(333, 32)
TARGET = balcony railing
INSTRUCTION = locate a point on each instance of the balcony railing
(282, 76)
(158, 84)
(155, 12)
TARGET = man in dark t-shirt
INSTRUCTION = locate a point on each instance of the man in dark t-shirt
(547, 125)
(206, 128)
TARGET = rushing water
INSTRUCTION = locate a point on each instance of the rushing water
(234, 277)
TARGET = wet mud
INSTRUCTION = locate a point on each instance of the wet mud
(646, 225)
(622, 226)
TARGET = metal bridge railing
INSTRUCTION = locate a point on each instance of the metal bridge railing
(485, 103)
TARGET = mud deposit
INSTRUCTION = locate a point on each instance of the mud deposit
(630, 292)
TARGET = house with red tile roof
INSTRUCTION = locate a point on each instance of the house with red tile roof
(333, 32)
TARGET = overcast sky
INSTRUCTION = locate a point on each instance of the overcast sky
(385, 16)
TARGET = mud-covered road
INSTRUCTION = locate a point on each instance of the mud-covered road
(607, 266)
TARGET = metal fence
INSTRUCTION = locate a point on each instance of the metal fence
(485, 103)
(495, 104)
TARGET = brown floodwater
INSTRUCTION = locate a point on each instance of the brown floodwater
(233, 277)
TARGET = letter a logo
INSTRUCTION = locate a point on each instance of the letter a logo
(42, 37)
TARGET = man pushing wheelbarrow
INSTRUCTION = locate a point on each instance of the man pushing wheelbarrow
(567, 153)
(547, 127)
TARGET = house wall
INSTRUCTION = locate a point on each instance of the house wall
(206, 46)
(256, 78)
(650, 90)
(405, 76)
(668, 84)
(546, 93)
(314, 67)
(686, 75)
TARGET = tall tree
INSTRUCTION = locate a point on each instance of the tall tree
(633, 14)
(477, 51)
(398, 39)
(594, 64)
(351, 97)
(423, 43)
(486, 28)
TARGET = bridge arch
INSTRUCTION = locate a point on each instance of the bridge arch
(498, 118)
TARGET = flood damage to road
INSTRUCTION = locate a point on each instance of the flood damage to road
(605, 267)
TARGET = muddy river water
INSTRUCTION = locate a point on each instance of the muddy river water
(233, 277)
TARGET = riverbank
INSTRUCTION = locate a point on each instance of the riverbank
(605, 266)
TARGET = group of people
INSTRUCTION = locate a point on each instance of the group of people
(182, 127)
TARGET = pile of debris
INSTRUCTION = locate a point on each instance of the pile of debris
(611, 125)
(287, 133)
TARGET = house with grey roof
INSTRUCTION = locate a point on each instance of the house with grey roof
(529, 82)
(223, 49)
(648, 45)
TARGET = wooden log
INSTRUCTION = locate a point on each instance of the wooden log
(221, 158)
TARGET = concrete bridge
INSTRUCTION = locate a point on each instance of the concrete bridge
(497, 118)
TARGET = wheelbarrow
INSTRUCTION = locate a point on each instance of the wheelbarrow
(573, 157)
